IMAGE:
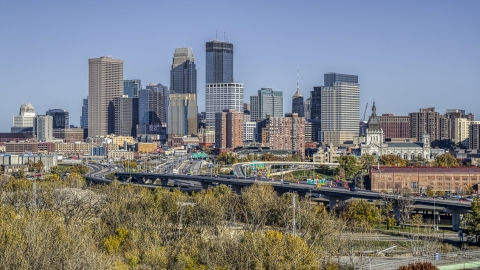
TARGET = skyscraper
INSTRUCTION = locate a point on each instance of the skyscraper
(126, 115)
(183, 75)
(270, 102)
(219, 62)
(182, 115)
(339, 107)
(228, 130)
(152, 108)
(131, 87)
(297, 101)
(222, 96)
(60, 118)
(105, 82)
(84, 116)
(182, 108)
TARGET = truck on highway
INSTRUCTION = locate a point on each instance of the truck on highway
(175, 171)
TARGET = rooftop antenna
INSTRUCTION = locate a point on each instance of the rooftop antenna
(298, 82)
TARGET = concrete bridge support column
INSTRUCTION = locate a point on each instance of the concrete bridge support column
(456, 217)
(204, 185)
(164, 182)
(332, 201)
(237, 189)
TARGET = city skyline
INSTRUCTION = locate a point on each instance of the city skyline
(402, 64)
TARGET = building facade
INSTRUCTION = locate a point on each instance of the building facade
(419, 179)
(394, 126)
(339, 108)
(219, 62)
(249, 131)
(228, 130)
(182, 115)
(126, 115)
(183, 75)
(60, 118)
(131, 87)
(84, 116)
(43, 128)
(254, 108)
(270, 103)
(222, 96)
(105, 82)
(24, 121)
(152, 103)
(298, 106)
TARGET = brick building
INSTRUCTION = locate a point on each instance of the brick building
(419, 179)
(394, 126)
(228, 130)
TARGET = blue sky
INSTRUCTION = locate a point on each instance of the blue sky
(408, 54)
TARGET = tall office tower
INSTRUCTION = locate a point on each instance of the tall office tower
(316, 103)
(454, 114)
(339, 108)
(126, 115)
(60, 118)
(270, 102)
(462, 129)
(298, 106)
(394, 126)
(23, 122)
(84, 116)
(219, 62)
(427, 121)
(249, 131)
(182, 115)
(183, 75)
(222, 96)
(152, 108)
(306, 108)
(254, 108)
(105, 82)
(131, 87)
(43, 127)
(228, 130)
(283, 133)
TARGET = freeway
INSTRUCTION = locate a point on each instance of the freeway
(238, 167)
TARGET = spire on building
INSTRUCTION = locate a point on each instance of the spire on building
(373, 122)
(297, 94)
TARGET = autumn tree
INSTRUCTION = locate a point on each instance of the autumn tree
(392, 160)
(349, 165)
(446, 160)
(367, 160)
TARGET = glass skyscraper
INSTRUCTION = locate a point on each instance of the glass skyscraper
(331, 78)
(183, 75)
(219, 62)
(152, 107)
(60, 118)
(131, 87)
(84, 116)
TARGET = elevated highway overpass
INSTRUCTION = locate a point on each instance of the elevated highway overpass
(238, 168)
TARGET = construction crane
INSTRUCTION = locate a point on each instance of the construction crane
(363, 119)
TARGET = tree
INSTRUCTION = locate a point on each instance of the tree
(349, 165)
(361, 212)
(367, 160)
(20, 174)
(472, 220)
(419, 266)
(227, 158)
(392, 160)
(446, 160)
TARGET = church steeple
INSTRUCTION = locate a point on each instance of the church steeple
(373, 123)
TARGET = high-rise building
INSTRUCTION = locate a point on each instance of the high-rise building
(24, 121)
(339, 107)
(316, 103)
(60, 118)
(438, 126)
(182, 115)
(246, 106)
(454, 114)
(105, 82)
(228, 130)
(219, 62)
(249, 131)
(306, 108)
(43, 127)
(254, 108)
(283, 133)
(84, 116)
(183, 75)
(474, 136)
(126, 115)
(462, 130)
(298, 106)
(182, 109)
(152, 108)
(222, 96)
(270, 102)
(394, 126)
(131, 87)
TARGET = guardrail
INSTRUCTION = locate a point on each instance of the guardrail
(437, 259)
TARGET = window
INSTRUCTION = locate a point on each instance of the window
(414, 184)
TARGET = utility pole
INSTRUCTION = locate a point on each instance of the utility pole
(293, 212)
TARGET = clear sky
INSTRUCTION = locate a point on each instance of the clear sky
(408, 54)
